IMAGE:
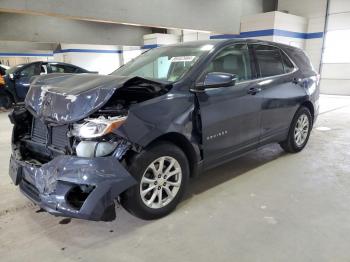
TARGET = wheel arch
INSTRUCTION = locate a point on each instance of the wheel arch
(185, 145)
(308, 104)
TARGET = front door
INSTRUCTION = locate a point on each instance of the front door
(230, 115)
(22, 81)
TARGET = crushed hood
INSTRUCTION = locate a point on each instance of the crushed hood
(67, 98)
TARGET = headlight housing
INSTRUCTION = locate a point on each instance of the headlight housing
(97, 127)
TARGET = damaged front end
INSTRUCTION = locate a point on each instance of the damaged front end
(65, 156)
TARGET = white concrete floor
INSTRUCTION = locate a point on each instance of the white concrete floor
(265, 206)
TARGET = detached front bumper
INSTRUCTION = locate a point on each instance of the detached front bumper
(72, 186)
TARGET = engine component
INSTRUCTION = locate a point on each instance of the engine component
(95, 149)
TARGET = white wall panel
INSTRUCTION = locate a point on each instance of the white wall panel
(104, 63)
(316, 24)
(338, 21)
(335, 87)
(339, 6)
(258, 22)
(290, 22)
(336, 57)
(336, 71)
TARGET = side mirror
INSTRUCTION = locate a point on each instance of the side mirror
(216, 80)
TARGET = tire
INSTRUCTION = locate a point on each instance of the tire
(292, 144)
(5, 101)
(141, 168)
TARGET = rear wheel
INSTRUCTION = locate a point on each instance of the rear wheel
(299, 131)
(162, 173)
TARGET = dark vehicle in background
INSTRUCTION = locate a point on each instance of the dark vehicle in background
(3, 69)
(80, 142)
(17, 79)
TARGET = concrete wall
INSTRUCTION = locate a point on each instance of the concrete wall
(33, 28)
(218, 16)
(336, 58)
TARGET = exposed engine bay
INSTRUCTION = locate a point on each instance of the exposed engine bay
(40, 141)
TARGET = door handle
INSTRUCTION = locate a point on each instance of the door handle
(254, 90)
(296, 81)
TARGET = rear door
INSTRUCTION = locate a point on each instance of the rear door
(230, 115)
(281, 93)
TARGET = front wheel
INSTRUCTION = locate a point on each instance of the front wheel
(5, 101)
(299, 131)
(162, 173)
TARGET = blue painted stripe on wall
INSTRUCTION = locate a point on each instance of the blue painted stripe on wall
(270, 32)
(314, 35)
(73, 50)
(25, 54)
(100, 51)
(149, 46)
(289, 34)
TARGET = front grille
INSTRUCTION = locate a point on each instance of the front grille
(55, 136)
(39, 131)
(59, 136)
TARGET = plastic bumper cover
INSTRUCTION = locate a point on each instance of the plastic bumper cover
(48, 185)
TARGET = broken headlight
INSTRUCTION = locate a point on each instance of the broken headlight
(97, 127)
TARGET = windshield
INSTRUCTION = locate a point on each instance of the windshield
(13, 69)
(164, 63)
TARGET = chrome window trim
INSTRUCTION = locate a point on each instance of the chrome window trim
(296, 68)
(267, 77)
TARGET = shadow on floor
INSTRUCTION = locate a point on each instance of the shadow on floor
(233, 169)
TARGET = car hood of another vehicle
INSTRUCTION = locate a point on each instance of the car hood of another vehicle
(67, 98)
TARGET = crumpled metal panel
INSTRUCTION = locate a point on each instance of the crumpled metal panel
(67, 98)
(56, 178)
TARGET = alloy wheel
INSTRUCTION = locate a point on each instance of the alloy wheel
(160, 182)
(301, 130)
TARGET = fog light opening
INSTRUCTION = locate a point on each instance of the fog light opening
(78, 194)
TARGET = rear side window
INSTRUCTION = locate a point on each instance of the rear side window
(269, 60)
(287, 64)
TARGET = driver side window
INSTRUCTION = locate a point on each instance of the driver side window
(234, 59)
